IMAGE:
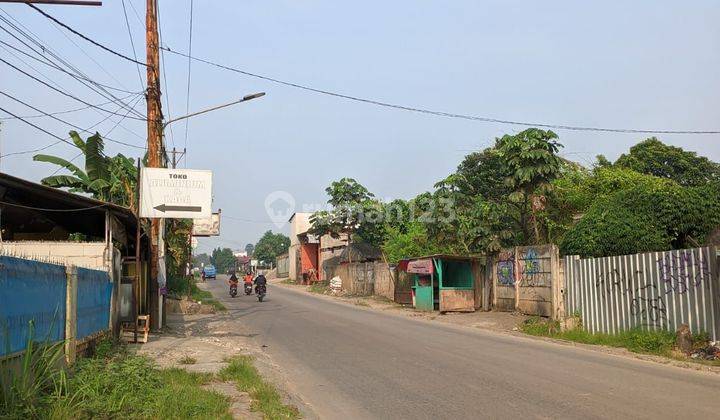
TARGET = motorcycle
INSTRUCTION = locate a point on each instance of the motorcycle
(248, 289)
(233, 290)
(260, 291)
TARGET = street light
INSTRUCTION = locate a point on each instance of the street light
(244, 99)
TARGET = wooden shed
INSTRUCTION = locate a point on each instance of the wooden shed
(448, 283)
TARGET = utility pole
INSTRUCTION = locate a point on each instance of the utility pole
(175, 156)
(154, 145)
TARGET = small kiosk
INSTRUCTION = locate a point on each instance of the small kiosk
(446, 283)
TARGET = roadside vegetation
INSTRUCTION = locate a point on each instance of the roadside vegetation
(111, 384)
(114, 383)
(181, 286)
(521, 191)
(659, 343)
(321, 287)
(266, 398)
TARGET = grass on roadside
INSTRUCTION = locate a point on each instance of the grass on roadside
(321, 287)
(205, 297)
(114, 384)
(266, 398)
(187, 360)
(288, 281)
(659, 343)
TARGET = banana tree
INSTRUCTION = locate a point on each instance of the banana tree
(108, 179)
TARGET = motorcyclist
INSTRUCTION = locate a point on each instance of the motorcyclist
(248, 278)
(260, 280)
(233, 281)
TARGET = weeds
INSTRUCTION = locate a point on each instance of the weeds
(266, 399)
(112, 384)
(321, 287)
(205, 297)
(28, 382)
(187, 360)
(638, 341)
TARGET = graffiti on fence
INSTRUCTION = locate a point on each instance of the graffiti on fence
(682, 271)
(531, 272)
(655, 290)
(616, 280)
(506, 269)
(652, 311)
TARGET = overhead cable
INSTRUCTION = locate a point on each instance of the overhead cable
(71, 124)
(441, 113)
(86, 38)
(63, 92)
(5, 203)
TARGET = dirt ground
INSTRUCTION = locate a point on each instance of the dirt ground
(202, 343)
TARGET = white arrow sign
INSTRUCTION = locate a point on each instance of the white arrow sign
(175, 193)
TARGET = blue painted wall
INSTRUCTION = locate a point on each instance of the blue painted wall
(93, 302)
(30, 291)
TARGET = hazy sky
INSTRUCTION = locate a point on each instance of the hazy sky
(628, 64)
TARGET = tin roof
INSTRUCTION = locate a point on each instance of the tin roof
(33, 208)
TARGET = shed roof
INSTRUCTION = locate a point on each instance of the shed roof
(32, 208)
(451, 257)
(360, 251)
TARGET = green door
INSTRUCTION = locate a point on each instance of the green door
(423, 293)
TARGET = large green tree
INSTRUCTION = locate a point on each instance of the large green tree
(654, 157)
(222, 259)
(270, 246)
(355, 212)
(531, 158)
(249, 248)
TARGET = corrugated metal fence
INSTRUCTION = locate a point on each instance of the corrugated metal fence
(655, 290)
(37, 291)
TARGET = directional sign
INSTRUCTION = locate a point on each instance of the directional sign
(207, 227)
(175, 193)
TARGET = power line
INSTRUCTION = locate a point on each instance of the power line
(37, 127)
(73, 125)
(164, 74)
(32, 37)
(132, 42)
(97, 44)
(24, 152)
(5, 203)
(187, 96)
(61, 140)
(237, 219)
(68, 111)
(64, 93)
(440, 113)
(56, 67)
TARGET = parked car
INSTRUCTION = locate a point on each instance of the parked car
(210, 271)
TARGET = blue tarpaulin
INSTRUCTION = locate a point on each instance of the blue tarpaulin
(30, 291)
(93, 302)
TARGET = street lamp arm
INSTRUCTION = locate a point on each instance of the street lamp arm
(244, 99)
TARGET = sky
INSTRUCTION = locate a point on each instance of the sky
(619, 64)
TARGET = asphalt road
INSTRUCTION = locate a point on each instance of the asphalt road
(351, 362)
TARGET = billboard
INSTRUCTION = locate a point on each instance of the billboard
(207, 227)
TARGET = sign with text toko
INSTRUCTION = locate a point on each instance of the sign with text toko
(175, 193)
